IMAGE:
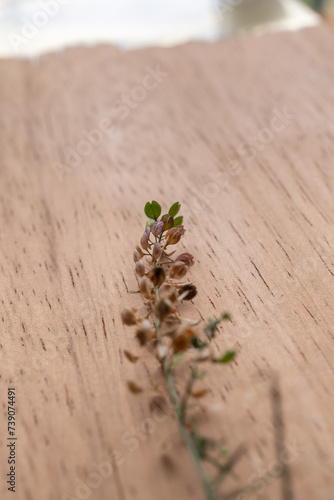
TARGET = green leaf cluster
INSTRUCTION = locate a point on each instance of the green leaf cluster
(212, 326)
(153, 211)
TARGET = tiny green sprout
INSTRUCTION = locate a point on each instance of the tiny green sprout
(197, 375)
(150, 223)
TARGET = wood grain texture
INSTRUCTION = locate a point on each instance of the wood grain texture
(259, 220)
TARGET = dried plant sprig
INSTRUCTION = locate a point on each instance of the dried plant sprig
(169, 336)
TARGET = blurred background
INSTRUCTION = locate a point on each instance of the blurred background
(29, 28)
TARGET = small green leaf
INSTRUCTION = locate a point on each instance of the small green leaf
(156, 208)
(178, 221)
(149, 210)
(224, 450)
(198, 374)
(198, 343)
(227, 358)
(201, 444)
(226, 315)
(174, 209)
(176, 359)
(152, 210)
(211, 327)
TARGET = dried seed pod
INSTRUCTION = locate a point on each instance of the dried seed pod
(173, 296)
(168, 221)
(188, 329)
(200, 393)
(157, 275)
(159, 403)
(180, 343)
(146, 325)
(136, 255)
(156, 252)
(157, 228)
(203, 355)
(163, 308)
(144, 332)
(144, 239)
(128, 317)
(133, 387)
(145, 287)
(131, 357)
(187, 292)
(142, 338)
(174, 235)
(187, 258)
(139, 250)
(178, 270)
(140, 268)
(162, 351)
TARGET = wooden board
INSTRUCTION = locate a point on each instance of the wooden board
(241, 133)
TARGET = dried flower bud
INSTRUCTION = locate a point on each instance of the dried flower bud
(144, 239)
(173, 296)
(145, 331)
(136, 255)
(187, 258)
(162, 351)
(187, 292)
(200, 393)
(157, 228)
(131, 357)
(128, 317)
(188, 329)
(145, 287)
(139, 250)
(180, 343)
(133, 387)
(163, 308)
(174, 235)
(178, 270)
(203, 355)
(140, 268)
(156, 252)
(157, 275)
(168, 221)
(146, 325)
(159, 403)
(142, 338)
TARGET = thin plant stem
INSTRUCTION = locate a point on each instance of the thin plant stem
(205, 481)
(187, 392)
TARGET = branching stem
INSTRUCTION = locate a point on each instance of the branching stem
(207, 485)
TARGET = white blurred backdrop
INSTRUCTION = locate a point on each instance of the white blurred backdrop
(29, 28)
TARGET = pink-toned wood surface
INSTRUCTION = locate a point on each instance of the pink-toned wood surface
(257, 196)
